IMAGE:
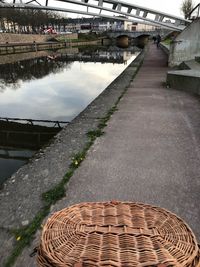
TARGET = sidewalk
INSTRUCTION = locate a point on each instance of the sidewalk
(150, 151)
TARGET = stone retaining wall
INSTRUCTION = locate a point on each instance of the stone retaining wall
(14, 48)
(22, 38)
(29, 38)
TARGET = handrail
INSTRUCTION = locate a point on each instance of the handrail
(198, 12)
(31, 121)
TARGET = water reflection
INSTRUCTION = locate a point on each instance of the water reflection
(18, 142)
(24, 135)
(56, 86)
(54, 62)
(27, 70)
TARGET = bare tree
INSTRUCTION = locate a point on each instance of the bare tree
(186, 7)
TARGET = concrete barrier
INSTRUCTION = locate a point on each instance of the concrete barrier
(186, 80)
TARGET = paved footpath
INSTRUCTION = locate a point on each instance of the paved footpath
(150, 151)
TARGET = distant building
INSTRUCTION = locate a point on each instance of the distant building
(136, 26)
(93, 24)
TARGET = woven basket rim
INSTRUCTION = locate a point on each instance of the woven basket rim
(195, 251)
(114, 202)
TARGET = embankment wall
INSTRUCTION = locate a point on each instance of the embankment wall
(30, 38)
(186, 46)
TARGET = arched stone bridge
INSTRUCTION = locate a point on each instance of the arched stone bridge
(130, 34)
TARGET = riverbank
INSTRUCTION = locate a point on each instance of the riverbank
(30, 38)
(20, 43)
(14, 48)
(22, 205)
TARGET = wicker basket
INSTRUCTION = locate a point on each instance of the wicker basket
(116, 234)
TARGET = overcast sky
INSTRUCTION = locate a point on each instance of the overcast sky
(167, 6)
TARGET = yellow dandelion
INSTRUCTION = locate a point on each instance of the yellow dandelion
(18, 238)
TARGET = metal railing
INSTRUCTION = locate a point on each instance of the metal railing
(117, 10)
(31, 121)
(195, 13)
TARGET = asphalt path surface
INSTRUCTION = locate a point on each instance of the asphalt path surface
(150, 151)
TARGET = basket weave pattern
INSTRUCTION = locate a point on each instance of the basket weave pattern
(116, 234)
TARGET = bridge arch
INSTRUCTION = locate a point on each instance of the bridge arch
(131, 34)
(123, 40)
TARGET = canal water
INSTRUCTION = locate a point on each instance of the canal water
(39, 89)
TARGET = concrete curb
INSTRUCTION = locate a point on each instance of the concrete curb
(165, 48)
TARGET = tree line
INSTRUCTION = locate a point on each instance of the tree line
(27, 20)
